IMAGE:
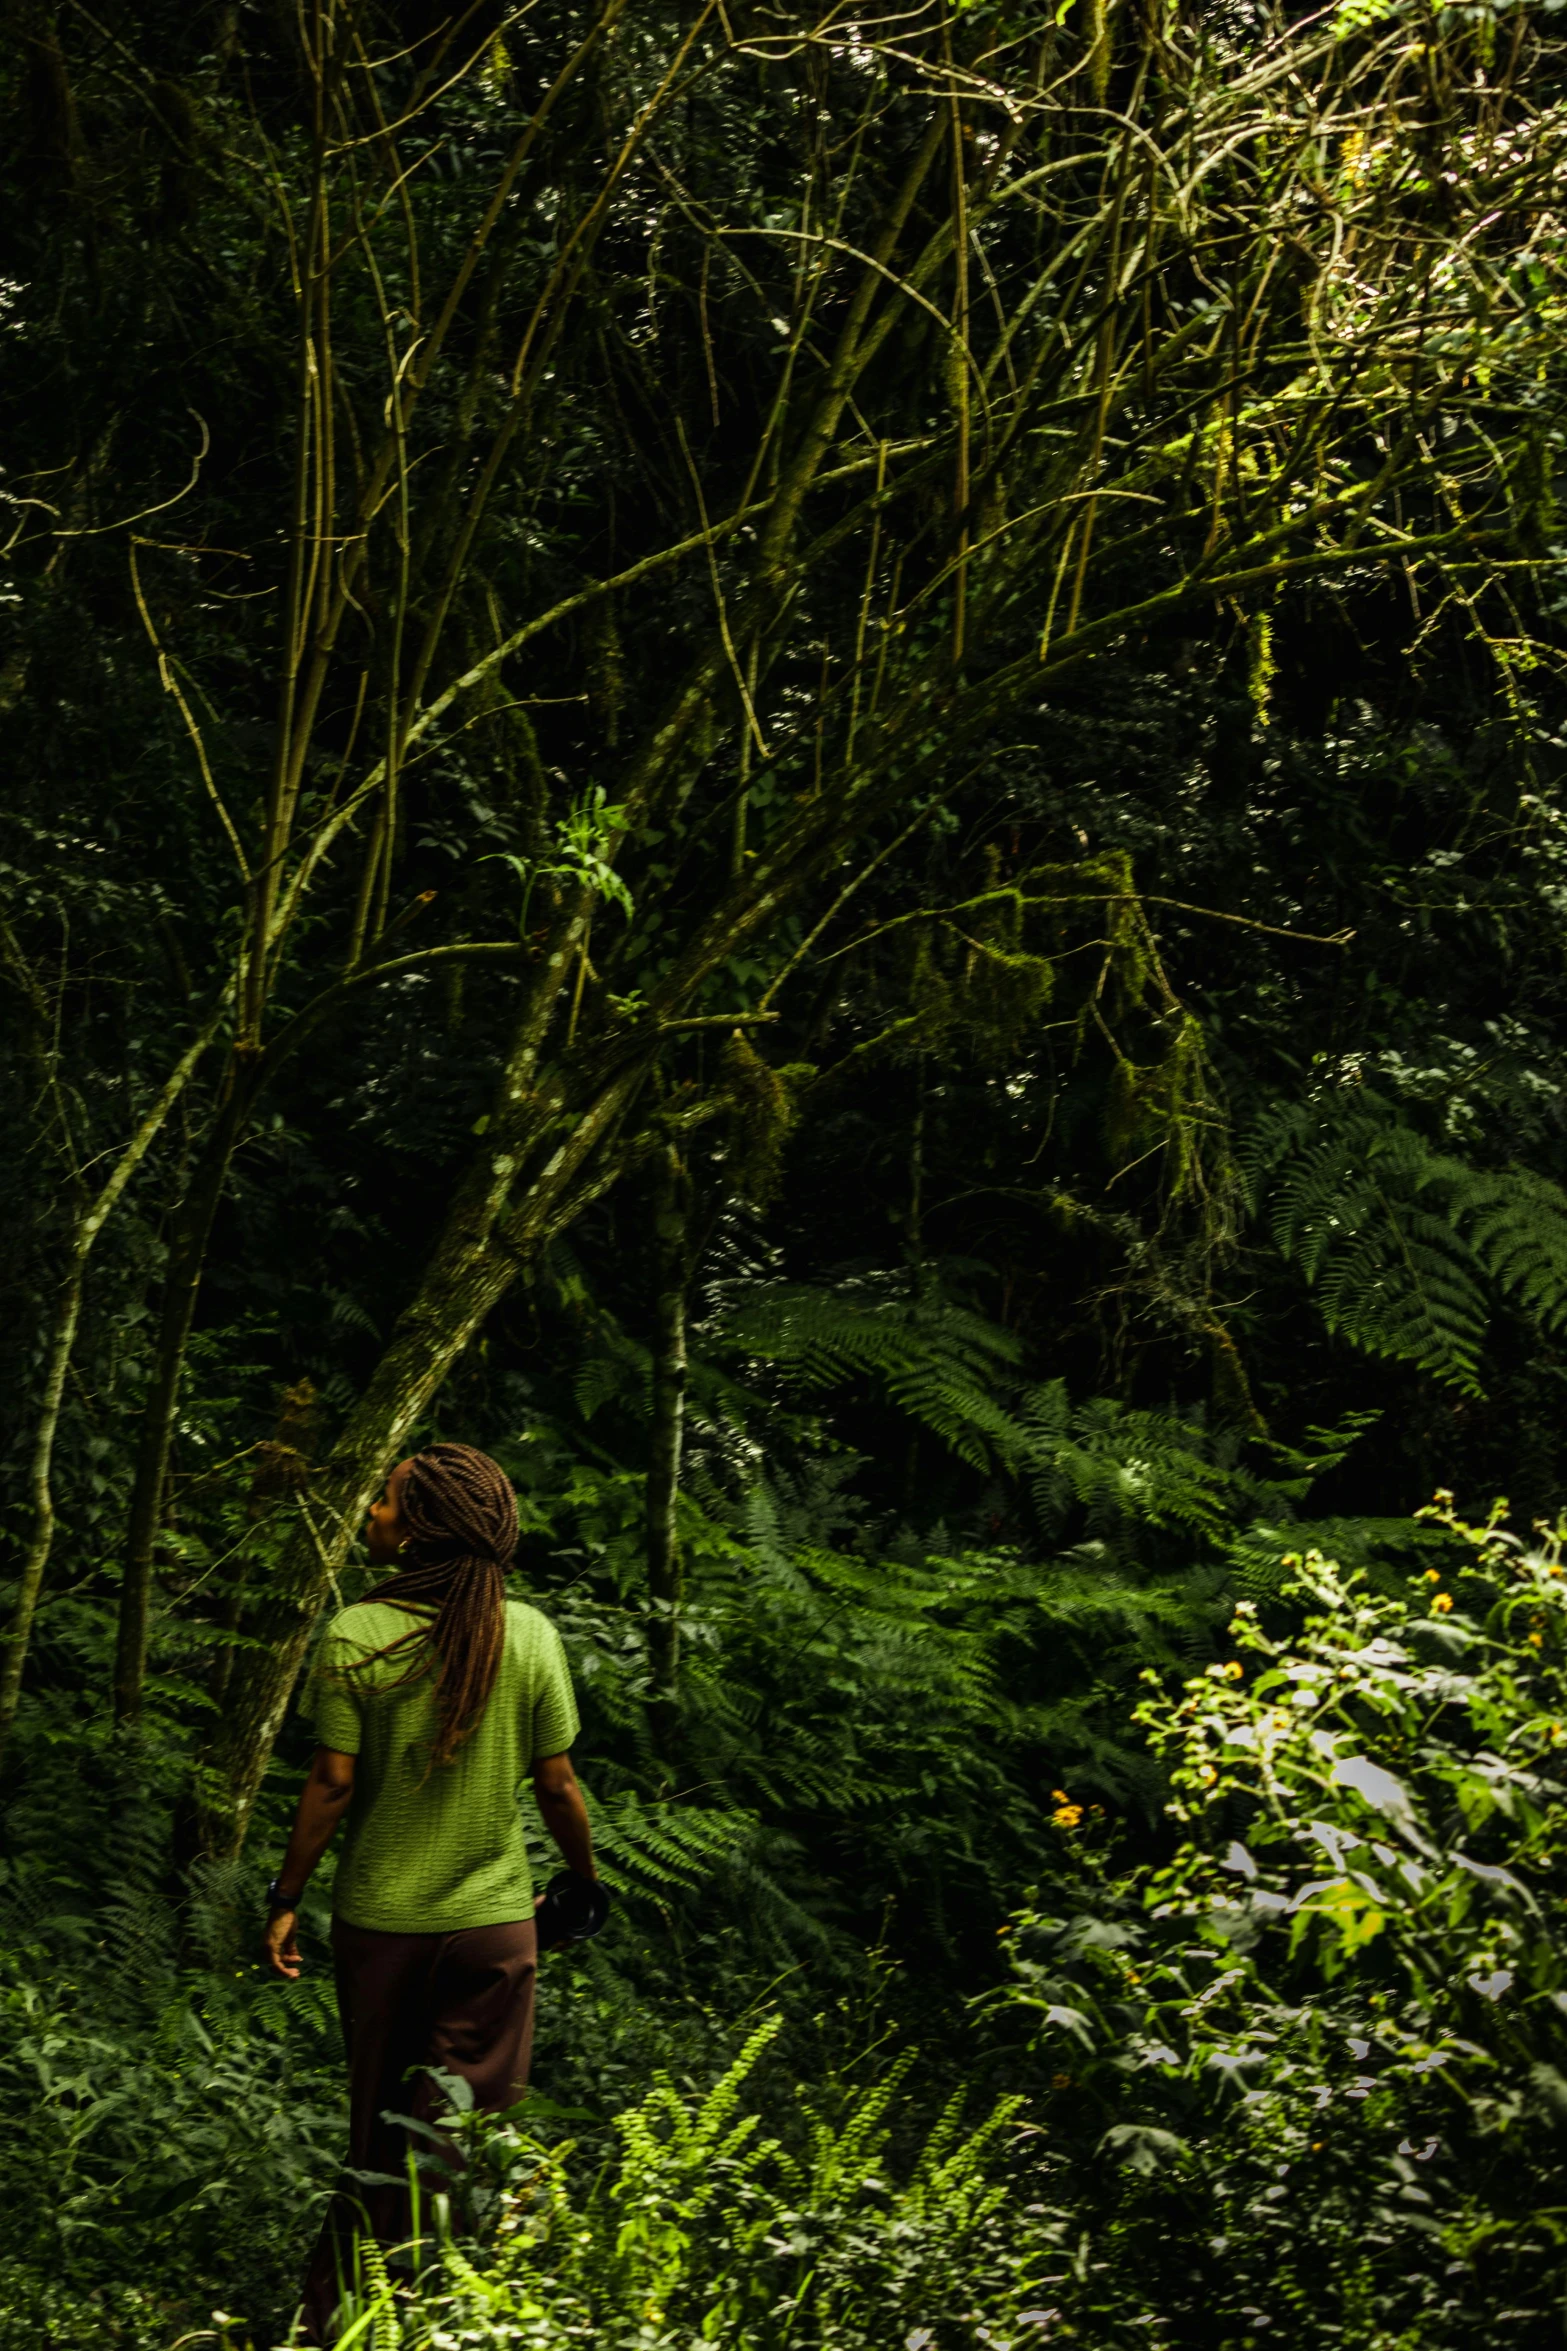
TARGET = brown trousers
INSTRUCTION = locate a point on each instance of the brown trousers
(461, 2002)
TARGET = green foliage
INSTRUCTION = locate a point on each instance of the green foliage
(702, 2231)
(1124, 1469)
(665, 1849)
(585, 841)
(937, 1359)
(1334, 2023)
(1404, 1244)
(158, 2124)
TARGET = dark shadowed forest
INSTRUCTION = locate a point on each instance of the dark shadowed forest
(805, 763)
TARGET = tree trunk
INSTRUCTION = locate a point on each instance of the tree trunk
(41, 1494)
(40, 1541)
(181, 1287)
(672, 1274)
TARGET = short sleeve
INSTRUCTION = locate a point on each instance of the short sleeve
(334, 1704)
(555, 1722)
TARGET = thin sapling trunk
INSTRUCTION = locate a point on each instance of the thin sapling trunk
(672, 1277)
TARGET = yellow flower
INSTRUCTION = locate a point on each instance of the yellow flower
(1207, 1775)
(1536, 1640)
(1442, 1603)
(1234, 1671)
(1067, 1816)
(1433, 1575)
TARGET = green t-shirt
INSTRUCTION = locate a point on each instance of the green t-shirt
(429, 1852)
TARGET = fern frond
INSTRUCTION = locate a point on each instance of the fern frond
(1516, 1223)
(663, 1847)
(1122, 1466)
(1401, 1242)
(937, 1359)
(612, 1366)
(1409, 1286)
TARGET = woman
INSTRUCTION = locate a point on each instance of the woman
(434, 1698)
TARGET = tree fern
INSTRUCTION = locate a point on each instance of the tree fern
(1124, 1467)
(1516, 1224)
(936, 1358)
(1405, 1246)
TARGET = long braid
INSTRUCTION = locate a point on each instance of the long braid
(462, 1520)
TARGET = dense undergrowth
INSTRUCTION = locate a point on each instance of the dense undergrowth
(1298, 2078)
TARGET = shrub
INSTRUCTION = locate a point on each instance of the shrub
(154, 2136)
(1321, 2057)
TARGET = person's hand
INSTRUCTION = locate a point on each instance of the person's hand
(280, 1944)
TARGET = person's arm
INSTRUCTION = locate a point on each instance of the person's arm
(323, 1800)
(564, 1813)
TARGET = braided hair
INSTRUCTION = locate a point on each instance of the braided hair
(461, 1515)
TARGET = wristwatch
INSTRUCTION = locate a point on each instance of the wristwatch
(278, 1901)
